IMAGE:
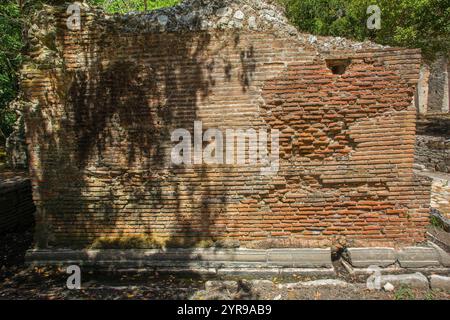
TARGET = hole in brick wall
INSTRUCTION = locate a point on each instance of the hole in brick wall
(338, 66)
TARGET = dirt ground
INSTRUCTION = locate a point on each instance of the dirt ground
(13, 246)
(50, 284)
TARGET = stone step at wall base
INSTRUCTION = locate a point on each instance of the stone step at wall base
(431, 256)
(270, 262)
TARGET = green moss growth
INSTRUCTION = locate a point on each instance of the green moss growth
(133, 242)
(147, 242)
(436, 222)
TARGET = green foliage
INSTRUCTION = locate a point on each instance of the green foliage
(421, 24)
(404, 293)
(436, 222)
(122, 6)
(11, 43)
(430, 295)
(10, 60)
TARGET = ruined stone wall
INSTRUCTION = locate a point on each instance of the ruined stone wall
(440, 199)
(16, 203)
(432, 95)
(106, 99)
(432, 101)
(433, 152)
(438, 98)
(433, 143)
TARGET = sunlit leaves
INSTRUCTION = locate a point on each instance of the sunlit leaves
(421, 24)
(122, 6)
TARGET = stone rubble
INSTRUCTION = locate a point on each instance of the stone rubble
(388, 287)
(416, 280)
(198, 15)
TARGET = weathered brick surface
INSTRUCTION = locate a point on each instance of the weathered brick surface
(104, 108)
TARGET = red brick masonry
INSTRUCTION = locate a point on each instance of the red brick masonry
(105, 104)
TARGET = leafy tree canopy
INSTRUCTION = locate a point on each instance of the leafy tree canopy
(12, 13)
(10, 60)
(421, 24)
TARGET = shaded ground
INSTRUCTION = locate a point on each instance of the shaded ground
(50, 283)
(13, 246)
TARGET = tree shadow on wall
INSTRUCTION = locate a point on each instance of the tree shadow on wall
(106, 169)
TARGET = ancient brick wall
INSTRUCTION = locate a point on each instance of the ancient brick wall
(16, 203)
(105, 99)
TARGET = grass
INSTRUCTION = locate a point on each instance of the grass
(430, 295)
(436, 222)
(404, 293)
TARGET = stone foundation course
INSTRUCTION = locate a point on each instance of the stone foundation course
(214, 261)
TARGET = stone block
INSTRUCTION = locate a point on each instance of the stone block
(236, 255)
(366, 257)
(300, 258)
(444, 256)
(416, 280)
(418, 257)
